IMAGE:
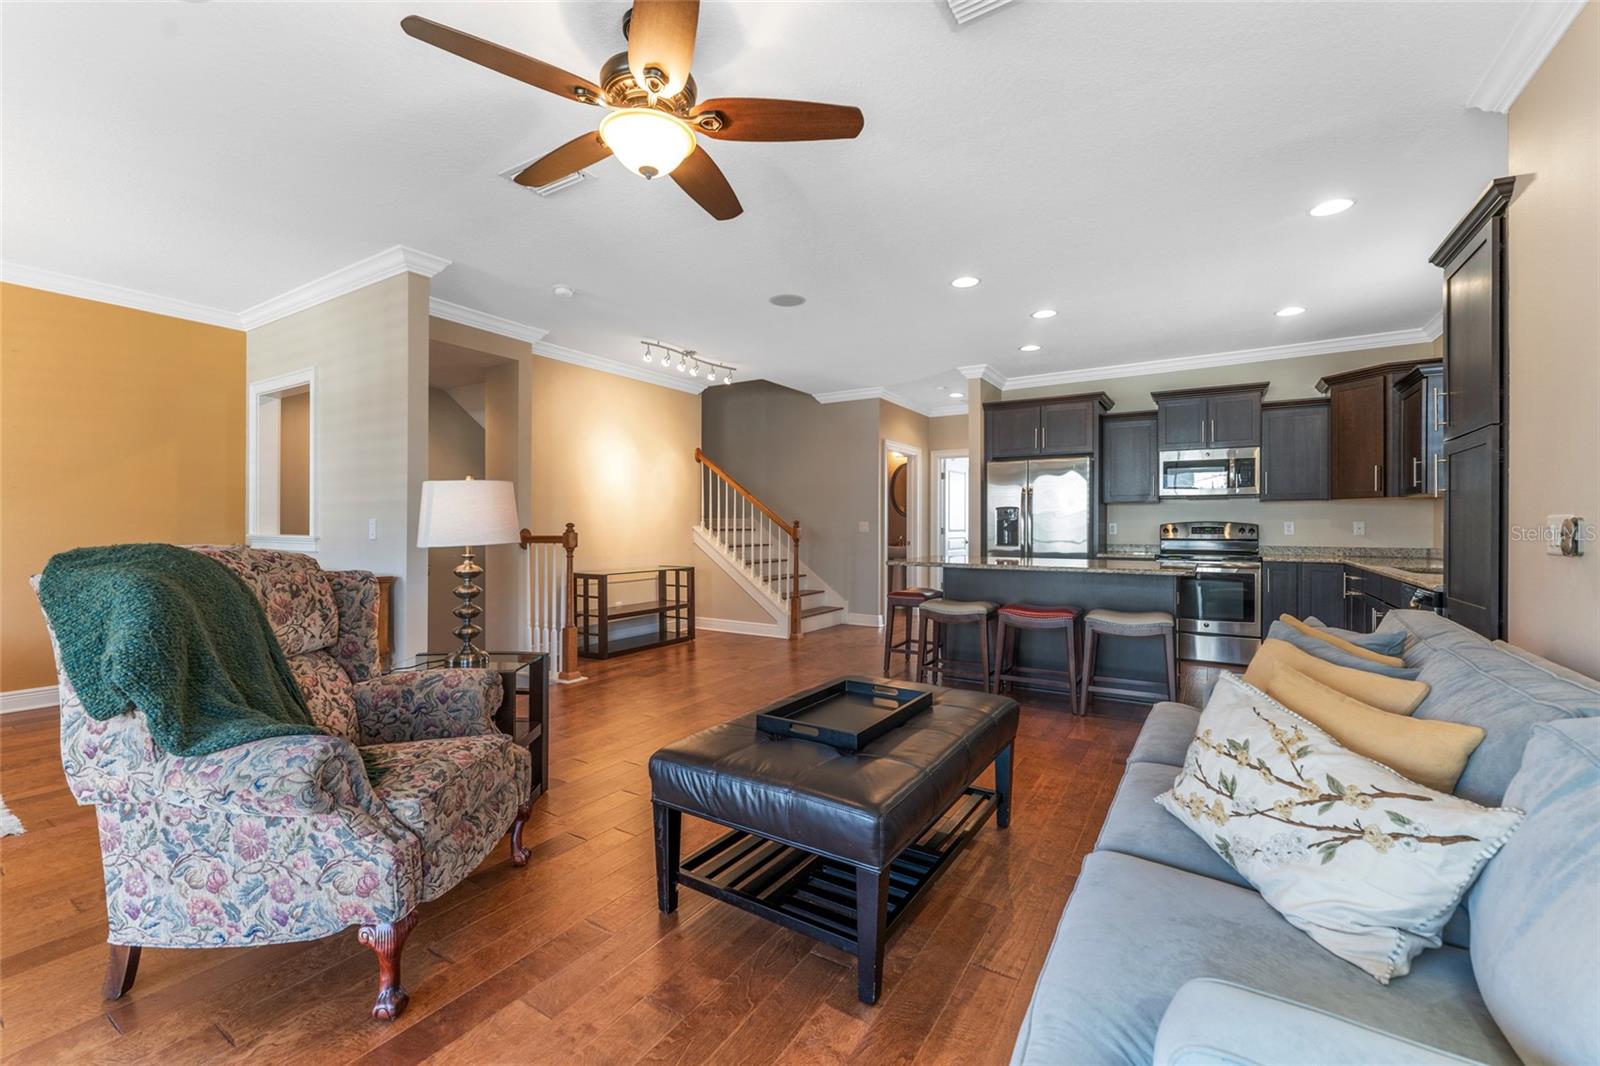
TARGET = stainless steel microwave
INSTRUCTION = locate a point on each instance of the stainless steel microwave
(1211, 472)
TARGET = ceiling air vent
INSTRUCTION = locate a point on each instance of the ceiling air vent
(967, 10)
(577, 177)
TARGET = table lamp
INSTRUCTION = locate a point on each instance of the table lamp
(462, 514)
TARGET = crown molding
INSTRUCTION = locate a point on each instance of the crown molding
(375, 268)
(118, 295)
(1433, 329)
(945, 410)
(561, 353)
(1526, 47)
(470, 316)
(875, 392)
(983, 371)
(1391, 339)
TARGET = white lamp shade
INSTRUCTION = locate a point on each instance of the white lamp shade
(458, 514)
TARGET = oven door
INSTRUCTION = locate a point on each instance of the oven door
(1220, 601)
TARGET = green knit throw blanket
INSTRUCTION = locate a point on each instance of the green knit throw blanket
(179, 636)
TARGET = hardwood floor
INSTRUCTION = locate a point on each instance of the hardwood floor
(568, 960)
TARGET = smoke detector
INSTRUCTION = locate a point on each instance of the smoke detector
(563, 291)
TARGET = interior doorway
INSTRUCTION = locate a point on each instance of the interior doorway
(900, 516)
(952, 539)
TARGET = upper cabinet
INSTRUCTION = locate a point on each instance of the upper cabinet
(1419, 436)
(1025, 429)
(1364, 455)
(1225, 417)
(1294, 450)
(1128, 469)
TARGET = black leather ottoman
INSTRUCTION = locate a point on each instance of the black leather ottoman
(837, 846)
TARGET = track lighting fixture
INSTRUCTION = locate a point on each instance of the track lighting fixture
(687, 361)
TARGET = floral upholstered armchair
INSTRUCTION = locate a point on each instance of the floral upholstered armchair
(408, 788)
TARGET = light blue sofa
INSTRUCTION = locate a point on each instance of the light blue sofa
(1166, 955)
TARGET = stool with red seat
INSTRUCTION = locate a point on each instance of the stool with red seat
(909, 599)
(1015, 616)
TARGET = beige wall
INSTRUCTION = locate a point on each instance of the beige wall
(370, 352)
(947, 433)
(455, 450)
(1554, 355)
(294, 464)
(115, 425)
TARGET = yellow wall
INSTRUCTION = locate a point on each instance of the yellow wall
(294, 464)
(115, 425)
(1553, 362)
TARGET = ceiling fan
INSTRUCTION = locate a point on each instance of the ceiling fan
(655, 115)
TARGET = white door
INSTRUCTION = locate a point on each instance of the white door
(953, 535)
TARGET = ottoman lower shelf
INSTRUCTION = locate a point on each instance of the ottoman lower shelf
(820, 896)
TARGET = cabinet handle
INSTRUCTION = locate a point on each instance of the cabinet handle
(1375, 477)
(1211, 431)
(1438, 486)
(1438, 410)
(1416, 471)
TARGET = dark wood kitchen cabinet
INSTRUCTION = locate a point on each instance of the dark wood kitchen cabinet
(1280, 591)
(1364, 458)
(1473, 259)
(1128, 458)
(1294, 450)
(1322, 592)
(1419, 435)
(1029, 429)
(1221, 417)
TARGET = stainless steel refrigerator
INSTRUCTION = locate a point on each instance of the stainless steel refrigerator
(1038, 507)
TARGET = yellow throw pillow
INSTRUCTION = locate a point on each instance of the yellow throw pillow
(1428, 752)
(1339, 642)
(1393, 694)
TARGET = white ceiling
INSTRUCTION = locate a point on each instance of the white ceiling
(1143, 168)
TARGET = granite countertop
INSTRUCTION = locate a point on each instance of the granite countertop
(1103, 564)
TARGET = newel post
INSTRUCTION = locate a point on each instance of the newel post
(569, 631)
(794, 586)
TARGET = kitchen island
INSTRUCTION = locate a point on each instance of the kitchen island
(1117, 583)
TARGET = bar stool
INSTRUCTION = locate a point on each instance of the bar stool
(909, 600)
(939, 615)
(1102, 623)
(1015, 616)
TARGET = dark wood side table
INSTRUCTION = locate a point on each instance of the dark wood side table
(527, 671)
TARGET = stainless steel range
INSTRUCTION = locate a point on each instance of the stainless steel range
(1219, 599)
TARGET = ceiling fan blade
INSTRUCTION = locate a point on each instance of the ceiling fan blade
(702, 179)
(661, 37)
(750, 118)
(513, 64)
(582, 151)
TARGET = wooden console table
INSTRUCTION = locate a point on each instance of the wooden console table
(672, 608)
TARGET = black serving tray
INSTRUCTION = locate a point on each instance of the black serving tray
(847, 713)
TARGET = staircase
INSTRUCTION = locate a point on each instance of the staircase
(761, 552)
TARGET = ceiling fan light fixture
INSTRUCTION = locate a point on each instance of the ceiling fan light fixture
(648, 142)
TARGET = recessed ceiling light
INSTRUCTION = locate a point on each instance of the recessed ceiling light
(1028, 348)
(1044, 312)
(1332, 207)
(786, 299)
(1290, 311)
(965, 281)
(955, 396)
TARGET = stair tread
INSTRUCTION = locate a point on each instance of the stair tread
(812, 612)
(805, 592)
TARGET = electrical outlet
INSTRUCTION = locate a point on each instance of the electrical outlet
(1111, 529)
(372, 529)
(863, 527)
(1358, 529)
(1288, 529)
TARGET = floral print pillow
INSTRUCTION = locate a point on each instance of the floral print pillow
(1368, 864)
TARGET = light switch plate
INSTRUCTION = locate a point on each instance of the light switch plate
(1288, 529)
(863, 527)
(372, 529)
(1111, 529)
(1563, 534)
(1358, 529)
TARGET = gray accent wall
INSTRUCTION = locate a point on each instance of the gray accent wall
(816, 462)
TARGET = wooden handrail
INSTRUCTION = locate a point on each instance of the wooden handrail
(791, 528)
(568, 538)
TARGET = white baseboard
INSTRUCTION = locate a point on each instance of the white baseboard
(743, 628)
(874, 621)
(29, 699)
